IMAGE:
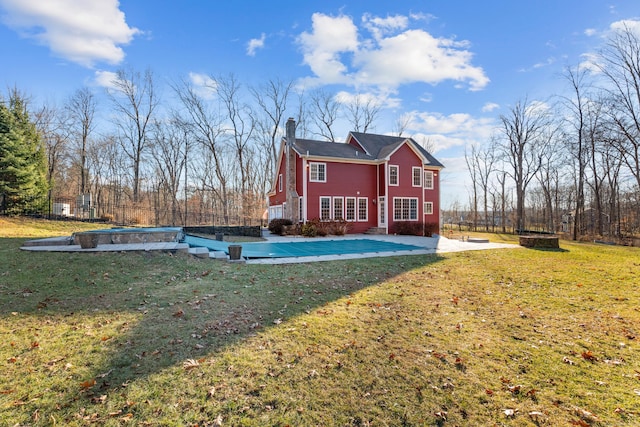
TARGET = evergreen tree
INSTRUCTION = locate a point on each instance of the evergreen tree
(23, 162)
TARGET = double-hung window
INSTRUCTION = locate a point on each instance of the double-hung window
(350, 208)
(428, 180)
(325, 208)
(394, 172)
(317, 172)
(417, 176)
(363, 214)
(338, 205)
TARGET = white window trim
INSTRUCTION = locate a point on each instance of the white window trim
(317, 166)
(395, 199)
(366, 204)
(428, 187)
(333, 208)
(413, 176)
(427, 207)
(397, 168)
(346, 209)
(320, 208)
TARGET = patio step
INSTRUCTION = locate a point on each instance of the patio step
(376, 230)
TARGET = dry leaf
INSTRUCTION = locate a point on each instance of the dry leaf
(441, 415)
(88, 384)
(190, 364)
(510, 413)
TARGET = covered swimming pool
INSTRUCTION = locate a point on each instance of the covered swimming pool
(303, 248)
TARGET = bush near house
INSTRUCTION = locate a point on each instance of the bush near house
(276, 226)
(413, 228)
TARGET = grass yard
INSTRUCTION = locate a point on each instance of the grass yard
(513, 337)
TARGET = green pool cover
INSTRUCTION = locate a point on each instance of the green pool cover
(302, 249)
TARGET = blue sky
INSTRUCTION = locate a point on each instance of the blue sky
(452, 66)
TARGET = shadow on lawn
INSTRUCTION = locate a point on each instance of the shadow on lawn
(187, 308)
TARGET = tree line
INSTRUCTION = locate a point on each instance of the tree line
(571, 163)
(202, 153)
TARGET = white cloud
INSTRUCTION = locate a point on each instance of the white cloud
(255, 44)
(590, 32)
(632, 24)
(204, 85)
(105, 79)
(448, 131)
(337, 52)
(330, 37)
(81, 31)
(489, 107)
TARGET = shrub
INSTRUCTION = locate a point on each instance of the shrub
(309, 229)
(276, 226)
(409, 228)
(339, 227)
(431, 228)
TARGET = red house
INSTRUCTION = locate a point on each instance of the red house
(372, 181)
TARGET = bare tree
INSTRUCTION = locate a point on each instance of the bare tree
(82, 108)
(272, 98)
(401, 124)
(51, 125)
(205, 124)
(362, 112)
(621, 66)
(135, 100)
(169, 148)
(523, 130)
(324, 113)
(243, 125)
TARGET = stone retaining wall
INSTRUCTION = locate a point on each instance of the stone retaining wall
(249, 231)
(548, 242)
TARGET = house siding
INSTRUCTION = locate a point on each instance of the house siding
(345, 180)
(406, 159)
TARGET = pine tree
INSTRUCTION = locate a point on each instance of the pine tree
(23, 163)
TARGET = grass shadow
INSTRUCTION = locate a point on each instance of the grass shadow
(116, 318)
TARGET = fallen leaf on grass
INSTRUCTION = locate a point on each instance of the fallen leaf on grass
(88, 384)
(441, 415)
(587, 355)
(190, 364)
(510, 413)
(568, 361)
(178, 313)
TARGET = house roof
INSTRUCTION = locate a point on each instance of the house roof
(373, 148)
(330, 149)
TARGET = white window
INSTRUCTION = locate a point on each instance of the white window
(363, 213)
(338, 206)
(280, 183)
(405, 209)
(428, 208)
(350, 208)
(428, 180)
(417, 176)
(325, 208)
(393, 175)
(317, 172)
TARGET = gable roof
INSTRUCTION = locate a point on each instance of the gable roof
(373, 147)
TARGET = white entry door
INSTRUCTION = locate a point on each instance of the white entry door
(382, 212)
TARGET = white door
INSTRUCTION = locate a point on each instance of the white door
(382, 212)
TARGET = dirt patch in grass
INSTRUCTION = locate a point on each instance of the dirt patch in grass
(476, 338)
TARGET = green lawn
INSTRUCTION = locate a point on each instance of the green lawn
(514, 337)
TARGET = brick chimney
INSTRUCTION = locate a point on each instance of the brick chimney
(293, 202)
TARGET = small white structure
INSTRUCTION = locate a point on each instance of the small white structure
(62, 209)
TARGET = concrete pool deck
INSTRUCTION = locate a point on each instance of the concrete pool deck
(426, 245)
